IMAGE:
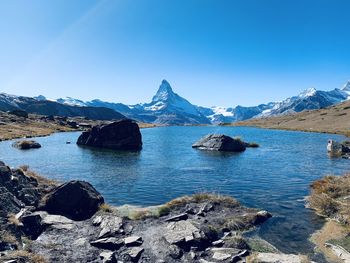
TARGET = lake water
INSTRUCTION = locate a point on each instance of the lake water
(274, 177)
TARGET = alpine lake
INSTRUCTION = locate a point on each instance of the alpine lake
(275, 177)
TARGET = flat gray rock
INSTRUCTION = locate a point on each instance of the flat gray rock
(220, 142)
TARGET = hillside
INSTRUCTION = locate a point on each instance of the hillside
(47, 107)
(334, 119)
(13, 127)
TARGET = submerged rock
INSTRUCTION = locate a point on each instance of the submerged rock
(25, 145)
(220, 142)
(77, 200)
(119, 135)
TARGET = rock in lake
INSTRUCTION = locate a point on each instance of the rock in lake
(77, 200)
(337, 149)
(25, 145)
(119, 135)
(220, 142)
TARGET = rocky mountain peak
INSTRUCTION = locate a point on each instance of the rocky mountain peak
(164, 92)
(346, 86)
(308, 92)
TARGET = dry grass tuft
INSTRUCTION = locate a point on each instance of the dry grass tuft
(27, 256)
(7, 237)
(13, 220)
(41, 180)
(239, 223)
(164, 210)
(106, 208)
(202, 197)
(330, 196)
(252, 145)
(140, 214)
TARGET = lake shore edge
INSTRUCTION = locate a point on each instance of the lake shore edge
(200, 227)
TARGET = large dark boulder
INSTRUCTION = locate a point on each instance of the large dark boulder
(77, 200)
(119, 135)
(220, 142)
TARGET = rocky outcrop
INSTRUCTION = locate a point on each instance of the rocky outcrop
(119, 135)
(26, 145)
(18, 190)
(220, 142)
(77, 200)
(339, 149)
(199, 228)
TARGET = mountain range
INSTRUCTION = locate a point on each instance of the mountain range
(167, 107)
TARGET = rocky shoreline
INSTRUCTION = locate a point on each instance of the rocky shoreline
(330, 198)
(31, 125)
(82, 228)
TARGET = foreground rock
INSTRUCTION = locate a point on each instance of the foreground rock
(220, 142)
(25, 145)
(77, 200)
(198, 228)
(119, 135)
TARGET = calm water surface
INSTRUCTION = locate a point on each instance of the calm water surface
(275, 177)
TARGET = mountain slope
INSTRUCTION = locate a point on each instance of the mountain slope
(46, 107)
(167, 107)
(170, 108)
(333, 119)
(307, 100)
(310, 99)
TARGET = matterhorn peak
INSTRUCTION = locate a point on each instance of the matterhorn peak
(346, 87)
(164, 91)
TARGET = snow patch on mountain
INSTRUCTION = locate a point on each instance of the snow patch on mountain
(71, 101)
(346, 88)
(307, 93)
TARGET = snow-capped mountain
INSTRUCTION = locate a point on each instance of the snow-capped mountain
(170, 108)
(167, 107)
(221, 115)
(40, 105)
(346, 88)
(310, 99)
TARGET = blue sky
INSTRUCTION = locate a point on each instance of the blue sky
(212, 52)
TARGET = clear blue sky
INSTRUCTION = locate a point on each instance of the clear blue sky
(212, 52)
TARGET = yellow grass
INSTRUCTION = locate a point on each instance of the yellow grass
(7, 237)
(334, 119)
(106, 208)
(27, 256)
(330, 197)
(330, 231)
(41, 180)
(202, 197)
(13, 220)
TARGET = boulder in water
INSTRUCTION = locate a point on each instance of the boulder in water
(26, 145)
(220, 142)
(119, 135)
